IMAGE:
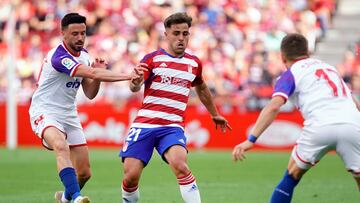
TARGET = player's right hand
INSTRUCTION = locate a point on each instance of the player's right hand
(240, 149)
(137, 75)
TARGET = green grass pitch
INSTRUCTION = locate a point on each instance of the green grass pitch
(29, 175)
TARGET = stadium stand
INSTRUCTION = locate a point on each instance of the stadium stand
(238, 41)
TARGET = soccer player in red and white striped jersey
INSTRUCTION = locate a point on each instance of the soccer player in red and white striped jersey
(160, 121)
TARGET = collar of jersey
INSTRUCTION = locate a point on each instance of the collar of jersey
(299, 59)
(70, 52)
(163, 50)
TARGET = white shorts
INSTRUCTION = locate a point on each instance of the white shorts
(74, 134)
(315, 142)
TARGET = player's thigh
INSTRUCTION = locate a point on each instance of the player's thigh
(75, 135)
(48, 129)
(171, 144)
(133, 168)
(294, 170)
(53, 138)
(133, 163)
(176, 157)
(175, 153)
(348, 147)
(139, 144)
(312, 145)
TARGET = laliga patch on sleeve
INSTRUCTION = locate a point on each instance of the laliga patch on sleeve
(68, 63)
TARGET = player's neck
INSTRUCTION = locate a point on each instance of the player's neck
(290, 63)
(70, 50)
(172, 53)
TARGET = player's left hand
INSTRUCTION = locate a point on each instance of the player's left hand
(222, 122)
(240, 149)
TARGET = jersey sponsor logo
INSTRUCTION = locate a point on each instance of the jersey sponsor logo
(68, 63)
(166, 79)
(174, 81)
(75, 84)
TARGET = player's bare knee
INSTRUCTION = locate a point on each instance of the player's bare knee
(131, 181)
(60, 147)
(131, 178)
(180, 168)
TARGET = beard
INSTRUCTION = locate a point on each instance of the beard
(78, 46)
(179, 50)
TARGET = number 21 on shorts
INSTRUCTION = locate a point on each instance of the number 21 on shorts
(133, 134)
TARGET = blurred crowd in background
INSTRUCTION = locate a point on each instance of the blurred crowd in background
(237, 41)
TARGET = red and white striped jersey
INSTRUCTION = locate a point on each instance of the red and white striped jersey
(167, 89)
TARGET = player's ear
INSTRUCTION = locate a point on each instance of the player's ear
(283, 58)
(165, 34)
(62, 32)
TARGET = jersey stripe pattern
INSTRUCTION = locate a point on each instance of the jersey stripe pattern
(167, 89)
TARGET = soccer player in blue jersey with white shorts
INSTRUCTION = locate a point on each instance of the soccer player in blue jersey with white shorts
(53, 114)
(160, 121)
(331, 116)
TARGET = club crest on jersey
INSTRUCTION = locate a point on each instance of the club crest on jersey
(68, 63)
(165, 79)
(125, 146)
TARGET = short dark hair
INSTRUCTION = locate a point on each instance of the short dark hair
(293, 46)
(72, 18)
(177, 18)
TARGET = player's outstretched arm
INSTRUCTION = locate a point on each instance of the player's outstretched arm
(105, 75)
(205, 97)
(266, 117)
(90, 86)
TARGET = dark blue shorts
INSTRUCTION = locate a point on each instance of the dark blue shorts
(140, 142)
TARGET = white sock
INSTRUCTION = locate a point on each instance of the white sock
(78, 199)
(129, 195)
(63, 199)
(189, 190)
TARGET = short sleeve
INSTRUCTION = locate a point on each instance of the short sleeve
(148, 59)
(285, 85)
(63, 62)
(198, 78)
